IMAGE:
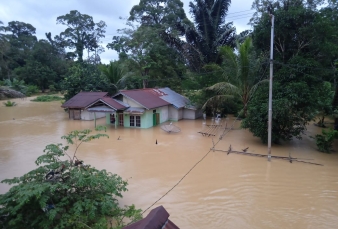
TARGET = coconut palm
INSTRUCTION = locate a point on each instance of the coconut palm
(210, 31)
(114, 73)
(240, 74)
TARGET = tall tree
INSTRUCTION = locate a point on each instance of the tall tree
(211, 31)
(82, 32)
(299, 72)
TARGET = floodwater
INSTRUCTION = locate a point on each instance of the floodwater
(222, 191)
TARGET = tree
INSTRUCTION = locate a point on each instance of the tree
(295, 102)
(146, 56)
(114, 73)
(65, 194)
(84, 77)
(301, 61)
(241, 75)
(20, 43)
(82, 32)
(211, 31)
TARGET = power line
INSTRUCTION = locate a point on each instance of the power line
(240, 12)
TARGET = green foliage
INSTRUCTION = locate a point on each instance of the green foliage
(9, 103)
(324, 141)
(84, 77)
(294, 103)
(31, 89)
(81, 33)
(79, 196)
(47, 98)
(241, 75)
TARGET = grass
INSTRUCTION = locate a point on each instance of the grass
(47, 98)
(10, 103)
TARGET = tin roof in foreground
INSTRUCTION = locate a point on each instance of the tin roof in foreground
(157, 218)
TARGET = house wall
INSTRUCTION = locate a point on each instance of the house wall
(85, 115)
(164, 113)
(192, 114)
(180, 114)
(147, 119)
(173, 113)
(189, 114)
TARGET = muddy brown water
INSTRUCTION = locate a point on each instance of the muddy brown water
(222, 191)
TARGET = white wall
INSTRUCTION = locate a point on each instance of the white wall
(189, 114)
(164, 113)
(192, 114)
(173, 114)
(180, 114)
(85, 115)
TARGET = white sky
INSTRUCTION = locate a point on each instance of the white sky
(42, 15)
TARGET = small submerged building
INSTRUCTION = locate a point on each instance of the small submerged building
(139, 108)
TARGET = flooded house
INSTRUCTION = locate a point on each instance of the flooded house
(139, 108)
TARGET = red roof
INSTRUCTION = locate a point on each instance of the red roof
(147, 97)
(83, 99)
(157, 218)
(113, 103)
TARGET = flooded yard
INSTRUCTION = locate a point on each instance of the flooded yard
(222, 191)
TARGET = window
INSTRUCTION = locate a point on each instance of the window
(138, 121)
(132, 120)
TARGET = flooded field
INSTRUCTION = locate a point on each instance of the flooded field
(222, 191)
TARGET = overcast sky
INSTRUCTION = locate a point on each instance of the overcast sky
(42, 15)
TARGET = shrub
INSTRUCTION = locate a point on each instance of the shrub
(31, 89)
(324, 141)
(10, 103)
(47, 98)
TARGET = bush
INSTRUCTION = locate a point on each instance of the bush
(47, 98)
(324, 141)
(31, 89)
(10, 103)
(63, 193)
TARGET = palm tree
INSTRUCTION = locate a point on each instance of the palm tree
(114, 73)
(210, 30)
(240, 73)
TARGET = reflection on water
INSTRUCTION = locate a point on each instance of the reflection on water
(223, 191)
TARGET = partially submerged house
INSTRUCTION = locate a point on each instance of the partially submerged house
(92, 105)
(158, 218)
(140, 108)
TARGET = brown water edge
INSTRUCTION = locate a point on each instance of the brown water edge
(223, 191)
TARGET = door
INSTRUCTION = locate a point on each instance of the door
(154, 119)
(121, 123)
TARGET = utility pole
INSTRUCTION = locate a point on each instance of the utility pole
(270, 87)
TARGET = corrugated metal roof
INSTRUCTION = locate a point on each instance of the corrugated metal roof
(114, 103)
(122, 103)
(173, 97)
(134, 110)
(105, 109)
(148, 97)
(157, 218)
(83, 99)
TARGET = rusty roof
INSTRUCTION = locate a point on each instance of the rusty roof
(149, 98)
(113, 103)
(157, 218)
(83, 99)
